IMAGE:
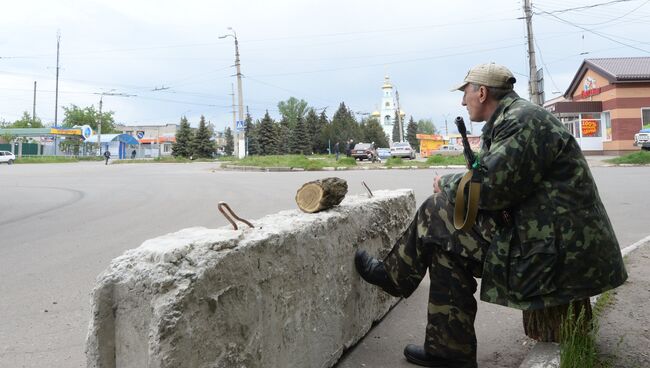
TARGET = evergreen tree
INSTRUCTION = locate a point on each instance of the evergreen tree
(202, 145)
(253, 146)
(182, 146)
(313, 131)
(396, 128)
(411, 132)
(374, 133)
(299, 141)
(283, 134)
(425, 126)
(325, 133)
(344, 126)
(267, 136)
(230, 142)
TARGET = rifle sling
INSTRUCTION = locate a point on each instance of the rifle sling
(465, 220)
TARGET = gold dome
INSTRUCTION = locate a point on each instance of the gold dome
(375, 114)
(402, 113)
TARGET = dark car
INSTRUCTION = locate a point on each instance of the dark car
(364, 151)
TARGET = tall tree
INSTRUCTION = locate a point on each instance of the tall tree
(26, 121)
(325, 133)
(183, 145)
(267, 136)
(75, 115)
(344, 126)
(250, 130)
(374, 133)
(283, 134)
(395, 133)
(230, 142)
(299, 141)
(292, 110)
(411, 132)
(202, 144)
(313, 130)
(425, 126)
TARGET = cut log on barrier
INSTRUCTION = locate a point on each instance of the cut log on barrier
(319, 195)
(545, 324)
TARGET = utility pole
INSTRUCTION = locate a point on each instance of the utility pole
(240, 151)
(446, 116)
(34, 107)
(533, 89)
(399, 118)
(56, 93)
(234, 120)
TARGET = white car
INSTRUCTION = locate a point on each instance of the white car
(402, 149)
(8, 157)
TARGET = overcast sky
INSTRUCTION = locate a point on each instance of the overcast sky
(325, 52)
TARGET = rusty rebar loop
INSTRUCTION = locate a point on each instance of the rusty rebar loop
(231, 214)
(368, 189)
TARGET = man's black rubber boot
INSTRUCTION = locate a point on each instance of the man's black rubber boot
(373, 271)
(416, 355)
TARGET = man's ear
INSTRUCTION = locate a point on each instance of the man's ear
(482, 94)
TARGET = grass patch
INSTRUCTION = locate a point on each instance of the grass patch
(315, 162)
(636, 158)
(446, 160)
(46, 159)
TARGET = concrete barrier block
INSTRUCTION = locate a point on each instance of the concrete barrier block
(284, 294)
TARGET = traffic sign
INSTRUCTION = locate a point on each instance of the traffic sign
(241, 126)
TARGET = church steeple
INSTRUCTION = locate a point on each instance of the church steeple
(387, 112)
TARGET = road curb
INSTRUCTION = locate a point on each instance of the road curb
(330, 168)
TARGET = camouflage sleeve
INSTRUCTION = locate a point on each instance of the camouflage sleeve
(520, 153)
(449, 184)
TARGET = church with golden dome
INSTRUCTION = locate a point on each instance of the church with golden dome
(386, 114)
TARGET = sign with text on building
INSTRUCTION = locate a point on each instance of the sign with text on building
(589, 88)
(241, 126)
(589, 127)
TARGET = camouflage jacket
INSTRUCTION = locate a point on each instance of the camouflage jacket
(560, 244)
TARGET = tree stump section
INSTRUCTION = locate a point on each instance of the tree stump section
(320, 195)
(545, 324)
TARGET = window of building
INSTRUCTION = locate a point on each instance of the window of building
(645, 117)
(387, 119)
(606, 122)
(590, 126)
(387, 104)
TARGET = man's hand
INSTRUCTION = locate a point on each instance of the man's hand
(436, 184)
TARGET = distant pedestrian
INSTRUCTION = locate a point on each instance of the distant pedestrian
(107, 155)
(133, 153)
(348, 151)
(336, 150)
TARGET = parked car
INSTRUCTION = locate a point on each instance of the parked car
(642, 139)
(448, 150)
(364, 151)
(383, 153)
(8, 157)
(402, 149)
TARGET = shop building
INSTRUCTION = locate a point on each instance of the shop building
(606, 104)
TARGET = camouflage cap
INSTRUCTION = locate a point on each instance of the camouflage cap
(489, 75)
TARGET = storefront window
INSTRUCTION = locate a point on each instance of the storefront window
(607, 126)
(645, 117)
(590, 125)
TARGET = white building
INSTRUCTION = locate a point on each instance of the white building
(386, 115)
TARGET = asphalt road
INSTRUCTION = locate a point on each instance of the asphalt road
(61, 224)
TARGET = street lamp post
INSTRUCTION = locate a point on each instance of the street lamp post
(240, 150)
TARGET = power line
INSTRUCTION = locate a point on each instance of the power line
(584, 7)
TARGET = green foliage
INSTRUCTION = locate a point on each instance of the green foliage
(346, 161)
(75, 115)
(636, 158)
(26, 122)
(299, 142)
(411, 132)
(372, 132)
(251, 132)
(230, 142)
(183, 145)
(283, 134)
(292, 110)
(396, 129)
(267, 136)
(440, 160)
(314, 130)
(578, 342)
(202, 145)
(426, 126)
(325, 131)
(344, 127)
(394, 161)
(296, 161)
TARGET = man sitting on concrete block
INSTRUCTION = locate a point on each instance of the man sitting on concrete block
(541, 236)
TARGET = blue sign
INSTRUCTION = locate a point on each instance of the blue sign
(140, 134)
(241, 126)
